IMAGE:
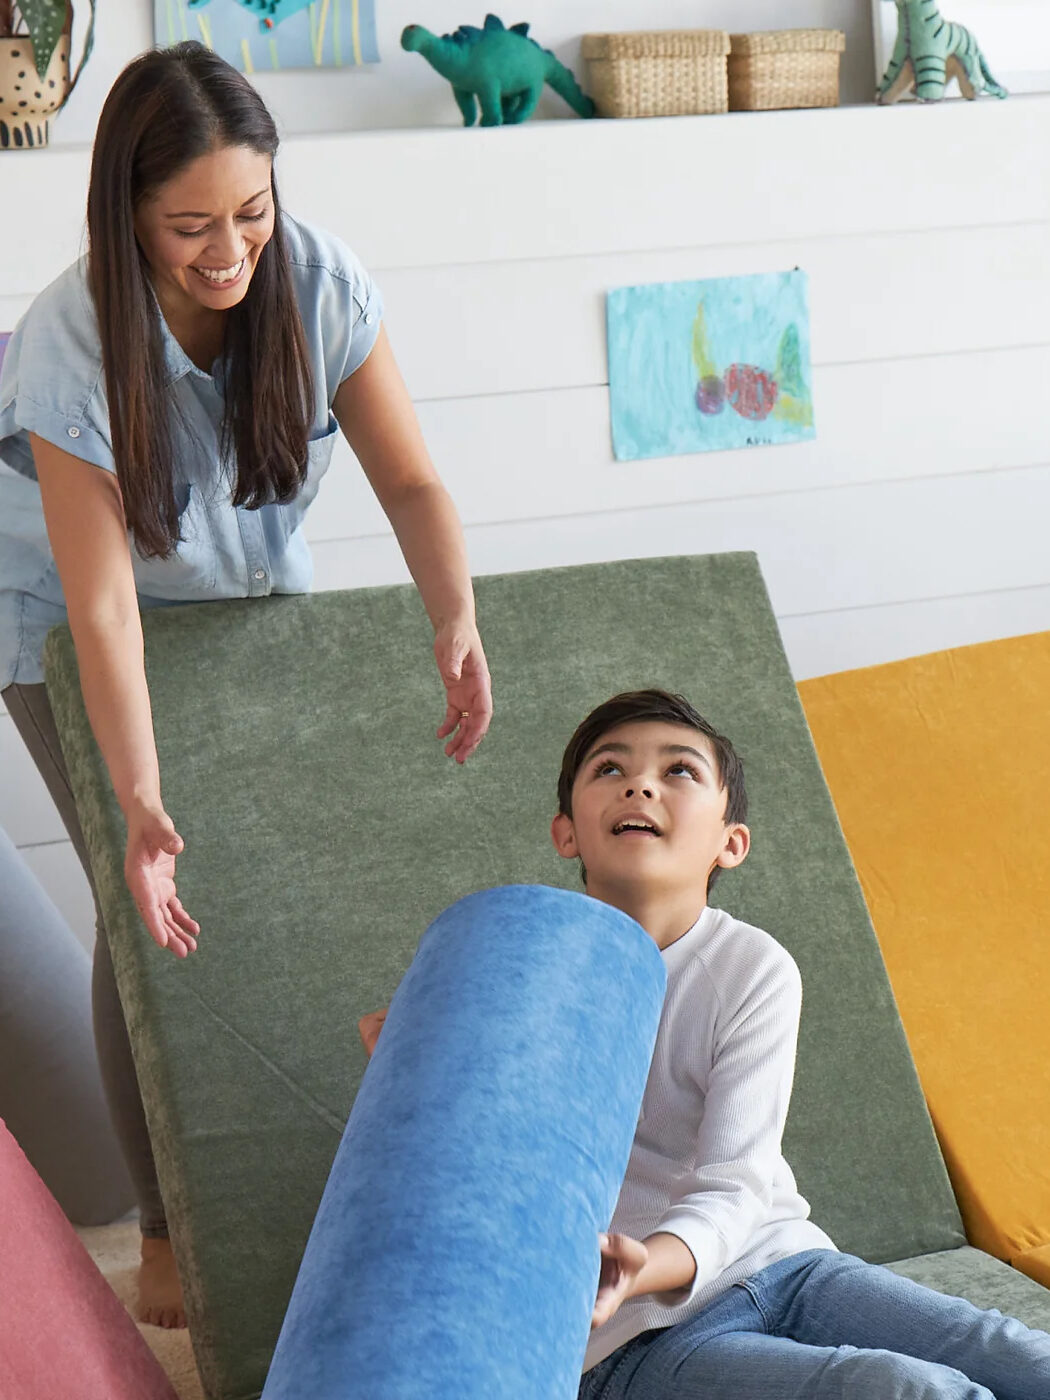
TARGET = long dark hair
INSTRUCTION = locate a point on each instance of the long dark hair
(166, 109)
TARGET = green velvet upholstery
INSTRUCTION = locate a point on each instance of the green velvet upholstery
(324, 830)
(987, 1282)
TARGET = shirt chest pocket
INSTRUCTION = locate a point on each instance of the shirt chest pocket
(318, 460)
(190, 573)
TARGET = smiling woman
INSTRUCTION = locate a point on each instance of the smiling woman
(202, 201)
(174, 252)
(168, 406)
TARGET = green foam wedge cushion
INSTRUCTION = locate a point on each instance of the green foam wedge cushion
(325, 830)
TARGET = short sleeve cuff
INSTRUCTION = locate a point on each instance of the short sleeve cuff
(366, 327)
(71, 434)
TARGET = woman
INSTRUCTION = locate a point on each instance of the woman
(169, 406)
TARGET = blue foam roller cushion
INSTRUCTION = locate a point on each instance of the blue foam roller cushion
(455, 1251)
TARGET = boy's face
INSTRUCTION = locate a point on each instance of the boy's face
(648, 813)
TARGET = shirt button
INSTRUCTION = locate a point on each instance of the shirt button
(260, 574)
(73, 432)
(369, 318)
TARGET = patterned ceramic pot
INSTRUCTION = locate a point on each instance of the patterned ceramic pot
(26, 99)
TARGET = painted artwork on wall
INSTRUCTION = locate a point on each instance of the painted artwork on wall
(709, 365)
(267, 35)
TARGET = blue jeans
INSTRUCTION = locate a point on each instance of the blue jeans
(827, 1326)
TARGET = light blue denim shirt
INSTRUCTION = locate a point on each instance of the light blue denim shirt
(51, 384)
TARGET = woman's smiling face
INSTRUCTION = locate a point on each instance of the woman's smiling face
(202, 232)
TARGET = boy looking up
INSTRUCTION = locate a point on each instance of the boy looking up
(651, 799)
(714, 1282)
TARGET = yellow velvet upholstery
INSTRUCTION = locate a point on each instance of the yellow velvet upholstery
(1035, 1263)
(940, 769)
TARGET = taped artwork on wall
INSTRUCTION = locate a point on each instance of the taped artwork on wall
(265, 35)
(709, 365)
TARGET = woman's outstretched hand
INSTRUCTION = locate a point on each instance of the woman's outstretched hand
(149, 869)
(461, 660)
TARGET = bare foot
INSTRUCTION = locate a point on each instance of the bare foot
(160, 1292)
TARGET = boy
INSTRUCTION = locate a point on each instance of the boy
(714, 1282)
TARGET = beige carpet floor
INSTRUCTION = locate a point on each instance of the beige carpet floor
(115, 1249)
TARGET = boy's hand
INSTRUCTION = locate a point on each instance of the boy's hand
(368, 1029)
(622, 1261)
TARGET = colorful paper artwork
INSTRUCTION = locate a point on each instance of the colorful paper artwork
(264, 35)
(710, 365)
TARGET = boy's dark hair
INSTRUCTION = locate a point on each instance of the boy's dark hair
(661, 706)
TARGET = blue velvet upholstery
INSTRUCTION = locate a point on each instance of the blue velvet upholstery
(455, 1253)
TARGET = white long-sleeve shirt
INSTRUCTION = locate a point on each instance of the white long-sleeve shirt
(706, 1164)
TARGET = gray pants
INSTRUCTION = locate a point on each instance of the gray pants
(31, 711)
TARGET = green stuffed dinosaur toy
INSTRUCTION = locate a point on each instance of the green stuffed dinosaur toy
(500, 69)
(929, 52)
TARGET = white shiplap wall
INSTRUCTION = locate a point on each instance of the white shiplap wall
(917, 519)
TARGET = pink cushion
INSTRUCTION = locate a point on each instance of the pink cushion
(64, 1333)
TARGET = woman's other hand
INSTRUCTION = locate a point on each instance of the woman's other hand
(149, 868)
(375, 412)
(465, 672)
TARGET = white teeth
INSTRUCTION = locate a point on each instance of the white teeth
(222, 275)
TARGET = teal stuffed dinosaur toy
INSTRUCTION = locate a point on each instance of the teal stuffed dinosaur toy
(929, 52)
(500, 69)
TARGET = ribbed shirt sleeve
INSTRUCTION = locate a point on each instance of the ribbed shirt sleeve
(719, 1203)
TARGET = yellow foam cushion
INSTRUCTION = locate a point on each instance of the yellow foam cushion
(1035, 1263)
(940, 769)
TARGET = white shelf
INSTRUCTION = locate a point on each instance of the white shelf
(413, 198)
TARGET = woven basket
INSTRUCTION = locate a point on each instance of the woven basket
(658, 73)
(785, 68)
